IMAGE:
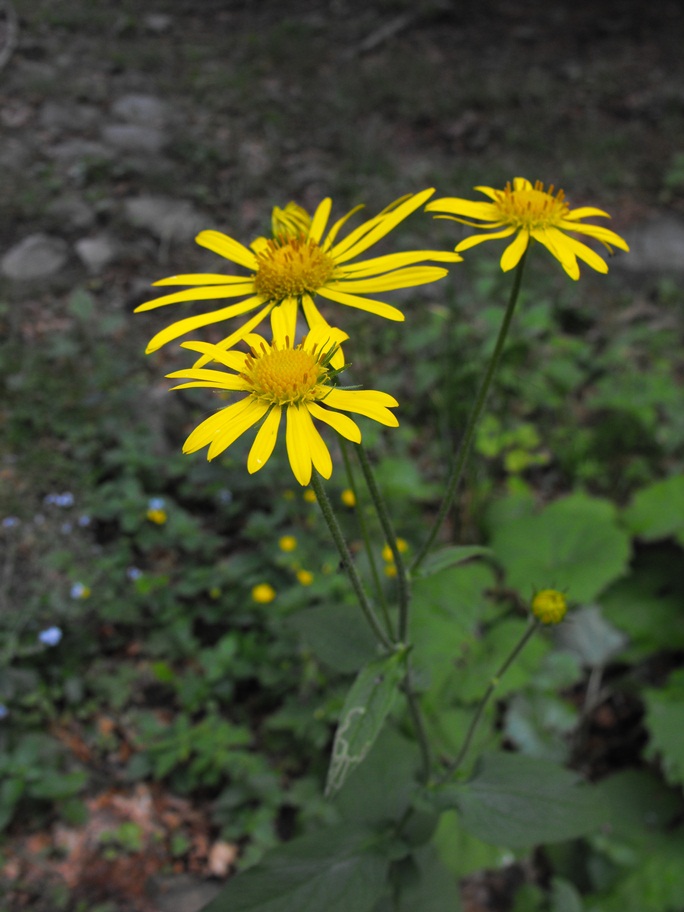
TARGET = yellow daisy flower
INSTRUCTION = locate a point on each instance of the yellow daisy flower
(299, 261)
(280, 378)
(531, 212)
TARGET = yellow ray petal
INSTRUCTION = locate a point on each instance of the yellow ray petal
(320, 220)
(475, 239)
(375, 307)
(227, 247)
(604, 235)
(400, 278)
(355, 243)
(486, 212)
(235, 360)
(586, 254)
(284, 321)
(297, 445)
(562, 252)
(265, 441)
(341, 423)
(190, 324)
(201, 278)
(205, 432)
(315, 319)
(513, 253)
(392, 261)
(584, 212)
(199, 294)
(359, 402)
(334, 231)
(217, 377)
(320, 454)
(235, 337)
(239, 423)
(489, 191)
(521, 183)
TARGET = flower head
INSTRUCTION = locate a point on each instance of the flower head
(50, 636)
(348, 497)
(80, 591)
(277, 379)
(531, 212)
(549, 606)
(287, 543)
(155, 511)
(305, 577)
(297, 262)
(263, 593)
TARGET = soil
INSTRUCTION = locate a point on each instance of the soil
(127, 127)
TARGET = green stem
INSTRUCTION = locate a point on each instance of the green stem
(363, 526)
(493, 684)
(467, 439)
(386, 523)
(418, 724)
(347, 562)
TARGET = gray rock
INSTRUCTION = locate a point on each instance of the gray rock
(95, 252)
(145, 110)
(14, 154)
(38, 256)
(55, 116)
(71, 211)
(73, 150)
(165, 218)
(134, 138)
(157, 22)
(655, 246)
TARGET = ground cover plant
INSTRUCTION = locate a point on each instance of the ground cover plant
(179, 638)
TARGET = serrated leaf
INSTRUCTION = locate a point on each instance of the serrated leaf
(337, 869)
(518, 801)
(665, 722)
(451, 557)
(365, 709)
(658, 510)
(574, 544)
(339, 637)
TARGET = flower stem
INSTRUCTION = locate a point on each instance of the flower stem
(347, 562)
(403, 586)
(467, 439)
(418, 724)
(493, 684)
(363, 526)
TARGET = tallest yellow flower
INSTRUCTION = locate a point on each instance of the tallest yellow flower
(302, 260)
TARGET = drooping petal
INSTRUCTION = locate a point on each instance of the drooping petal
(190, 324)
(320, 454)
(375, 307)
(235, 360)
(297, 445)
(265, 441)
(400, 278)
(604, 235)
(371, 403)
(205, 432)
(586, 254)
(227, 247)
(339, 422)
(554, 244)
(513, 253)
(391, 261)
(240, 422)
(475, 239)
(199, 294)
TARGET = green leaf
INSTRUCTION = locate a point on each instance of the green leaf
(364, 712)
(336, 870)
(665, 722)
(423, 882)
(336, 635)
(574, 544)
(450, 557)
(518, 802)
(591, 638)
(658, 510)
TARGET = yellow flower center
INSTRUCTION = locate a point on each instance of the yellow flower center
(531, 209)
(291, 267)
(286, 376)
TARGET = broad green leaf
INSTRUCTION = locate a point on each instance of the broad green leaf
(564, 896)
(658, 510)
(336, 634)
(462, 853)
(518, 802)
(365, 709)
(647, 607)
(450, 557)
(423, 882)
(665, 722)
(336, 870)
(574, 544)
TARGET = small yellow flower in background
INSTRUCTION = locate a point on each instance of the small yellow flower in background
(402, 548)
(287, 543)
(531, 212)
(155, 511)
(390, 569)
(263, 594)
(215, 593)
(288, 494)
(304, 577)
(347, 497)
(296, 263)
(277, 378)
(309, 495)
(549, 606)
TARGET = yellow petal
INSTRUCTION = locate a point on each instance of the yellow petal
(235, 337)
(315, 319)
(513, 253)
(199, 294)
(391, 261)
(554, 243)
(227, 247)
(400, 278)
(297, 445)
(320, 454)
(585, 212)
(218, 378)
(486, 212)
(233, 359)
(475, 239)
(265, 441)
(190, 324)
(201, 278)
(376, 307)
(341, 423)
(586, 254)
(521, 183)
(360, 402)
(604, 235)
(334, 231)
(238, 423)
(320, 220)
(284, 321)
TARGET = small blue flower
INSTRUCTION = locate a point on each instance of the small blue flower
(66, 499)
(4, 712)
(79, 591)
(134, 573)
(156, 503)
(10, 522)
(50, 636)
(83, 521)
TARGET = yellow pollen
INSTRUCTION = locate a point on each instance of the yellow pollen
(536, 208)
(291, 267)
(285, 376)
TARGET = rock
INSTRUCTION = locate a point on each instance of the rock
(95, 252)
(655, 246)
(73, 150)
(14, 154)
(165, 218)
(157, 22)
(38, 256)
(145, 110)
(134, 138)
(55, 116)
(71, 211)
